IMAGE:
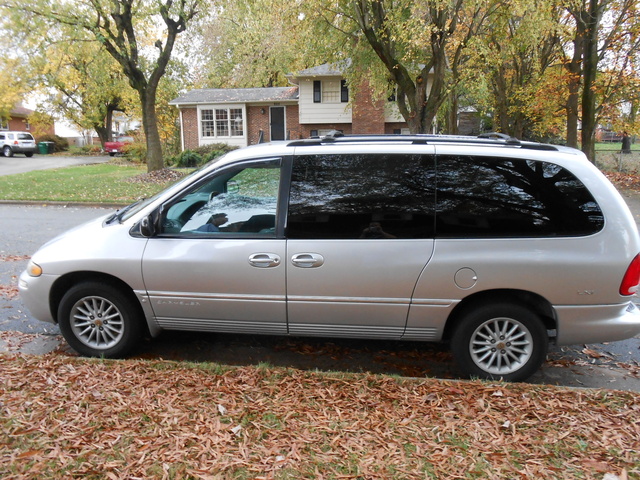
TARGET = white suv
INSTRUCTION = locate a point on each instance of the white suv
(17, 142)
(494, 245)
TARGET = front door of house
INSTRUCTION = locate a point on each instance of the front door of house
(277, 123)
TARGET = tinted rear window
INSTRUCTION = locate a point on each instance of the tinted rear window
(383, 196)
(497, 197)
(25, 136)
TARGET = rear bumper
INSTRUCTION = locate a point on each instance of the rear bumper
(19, 149)
(597, 324)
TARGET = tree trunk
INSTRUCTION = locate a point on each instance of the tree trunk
(574, 69)
(150, 127)
(452, 124)
(590, 69)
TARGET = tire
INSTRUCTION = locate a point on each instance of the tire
(29, 155)
(7, 152)
(500, 342)
(112, 154)
(98, 320)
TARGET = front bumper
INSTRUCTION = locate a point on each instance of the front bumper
(34, 292)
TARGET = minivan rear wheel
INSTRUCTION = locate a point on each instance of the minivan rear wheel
(501, 341)
(98, 320)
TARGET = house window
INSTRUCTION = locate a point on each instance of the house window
(208, 126)
(222, 122)
(344, 92)
(331, 91)
(235, 116)
(4, 124)
(317, 91)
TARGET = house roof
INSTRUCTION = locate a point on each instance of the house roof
(326, 70)
(237, 95)
(21, 111)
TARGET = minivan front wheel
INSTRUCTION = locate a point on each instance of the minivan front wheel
(502, 341)
(98, 320)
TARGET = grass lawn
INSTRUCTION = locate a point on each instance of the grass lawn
(102, 183)
(63, 417)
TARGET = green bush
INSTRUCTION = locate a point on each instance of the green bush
(199, 156)
(214, 148)
(188, 158)
(59, 144)
(135, 152)
(85, 150)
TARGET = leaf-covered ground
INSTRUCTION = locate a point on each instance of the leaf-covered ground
(66, 417)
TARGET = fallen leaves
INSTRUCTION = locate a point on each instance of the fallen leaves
(14, 258)
(158, 176)
(63, 416)
(629, 181)
(9, 291)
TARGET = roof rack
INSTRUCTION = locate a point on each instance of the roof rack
(491, 138)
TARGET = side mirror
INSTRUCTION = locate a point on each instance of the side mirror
(147, 227)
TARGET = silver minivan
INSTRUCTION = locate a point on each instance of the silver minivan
(494, 245)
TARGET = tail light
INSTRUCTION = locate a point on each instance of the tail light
(631, 279)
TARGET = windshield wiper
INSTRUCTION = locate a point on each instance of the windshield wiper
(117, 215)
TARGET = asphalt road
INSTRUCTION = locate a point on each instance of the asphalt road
(21, 164)
(614, 365)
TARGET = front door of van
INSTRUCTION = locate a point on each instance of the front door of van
(360, 232)
(217, 264)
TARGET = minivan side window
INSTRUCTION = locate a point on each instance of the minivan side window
(240, 201)
(497, 197)
(379, 196)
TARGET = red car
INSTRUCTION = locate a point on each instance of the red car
(115, 147)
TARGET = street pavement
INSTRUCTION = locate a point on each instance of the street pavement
(615, 365)
(21, 164)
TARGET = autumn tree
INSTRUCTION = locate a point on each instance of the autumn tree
(516, 54)
(249, 43)
(85, 85)
(411, 41)
(139, 35)
(604, 46)
(13, 88)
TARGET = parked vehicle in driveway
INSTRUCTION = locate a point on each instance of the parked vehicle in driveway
(115, 147)
(496, 246)
(17, 142)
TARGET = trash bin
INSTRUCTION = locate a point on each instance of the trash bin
(43, 148)
(50, 146)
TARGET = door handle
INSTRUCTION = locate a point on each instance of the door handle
(264, 260)
(307, 260)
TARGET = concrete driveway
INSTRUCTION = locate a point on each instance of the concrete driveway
(21, 164)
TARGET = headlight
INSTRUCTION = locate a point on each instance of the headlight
(33, 269)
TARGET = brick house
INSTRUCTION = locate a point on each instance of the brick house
(18, 121)
(317, 102)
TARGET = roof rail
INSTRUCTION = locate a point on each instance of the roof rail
(490, 138)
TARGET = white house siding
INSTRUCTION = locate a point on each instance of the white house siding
(318, 113)
(392, 113)
(239, 141)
